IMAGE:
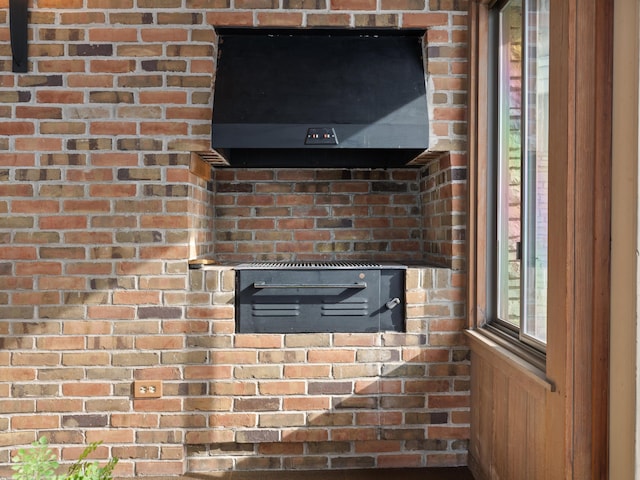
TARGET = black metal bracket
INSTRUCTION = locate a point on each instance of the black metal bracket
(18, 25)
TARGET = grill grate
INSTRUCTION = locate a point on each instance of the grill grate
(306, 265)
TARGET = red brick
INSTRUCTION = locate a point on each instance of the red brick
(180, 421)
(58, 405)
(93, 175)
(136, 298)
(281, 388)
(424, 20)
(215, 312)
(207, 372)
(17, 406)
(233, 357)
(87, 206)
(113, 128)
(178, 252)
(49, 268)
(88, 238)
(85, 359)
(134, 420)
(448, 401)
(65, 222)
(306, 403)
(229, 420)
(163, 98)
(35, 359)
(31, 422)
(190, 113)
(237, 19)
(400, 461)
(425, 355)
(352, 434)
(61, 283)
(36, 298)
(258, 341)
(157, 405)
(299, 436)
(93, 268)
(111, 159)
(162, 342)
(184, 326)
(307, 371)
(18, 128)
(62, 252)
(86, 389)
(442, 432)
(111, 436)
(97, 34)
(355, 340)
(162, 283)
(157, 373)
(110, 312)
(376, 446)
(18, 253)
(38, 144)
(428, 385)
(164, 128)
(17, 374)
(111, 66)
(280, 19)
(18, 159)
(377, 386)
(332, 356)
(62, 96)
(209, 436)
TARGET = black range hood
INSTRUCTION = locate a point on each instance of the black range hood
(320, 98)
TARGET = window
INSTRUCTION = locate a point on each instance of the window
(520, 230)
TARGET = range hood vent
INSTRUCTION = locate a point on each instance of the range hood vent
(320, 98)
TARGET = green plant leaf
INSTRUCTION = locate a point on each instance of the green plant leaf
(35, 463)
(39, 463)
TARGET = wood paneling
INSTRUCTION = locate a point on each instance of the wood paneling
(508, 430)
(522, 429)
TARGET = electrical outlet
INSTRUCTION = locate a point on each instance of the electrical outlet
(147, 389)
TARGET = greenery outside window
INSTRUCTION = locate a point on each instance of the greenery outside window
(521, 169)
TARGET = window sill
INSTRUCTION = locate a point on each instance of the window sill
(492, 347)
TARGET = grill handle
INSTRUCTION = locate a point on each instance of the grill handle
(358, 285)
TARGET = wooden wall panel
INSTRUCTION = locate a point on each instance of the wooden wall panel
(508, 419)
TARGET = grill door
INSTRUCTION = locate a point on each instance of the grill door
(311, 301)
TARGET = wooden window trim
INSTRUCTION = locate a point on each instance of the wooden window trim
(580, 197)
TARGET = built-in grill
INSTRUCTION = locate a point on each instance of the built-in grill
(306, 297)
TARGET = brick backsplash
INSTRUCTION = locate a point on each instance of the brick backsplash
(407, 215)
(325, 214)
(102, 204)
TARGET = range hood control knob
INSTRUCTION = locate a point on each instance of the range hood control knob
(394, 302)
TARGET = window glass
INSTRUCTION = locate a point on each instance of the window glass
(510, 161)
(522, 167)
(535, 247)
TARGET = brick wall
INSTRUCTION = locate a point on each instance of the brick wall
(443, 207)
(401, 214)
(102, 205)
(326, 214)
(317, 401)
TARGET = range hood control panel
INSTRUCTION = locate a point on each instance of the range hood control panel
(321, 136)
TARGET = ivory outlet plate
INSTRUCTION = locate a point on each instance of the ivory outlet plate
(147, 389)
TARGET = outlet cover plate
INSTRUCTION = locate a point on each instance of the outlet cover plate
(147, 389)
